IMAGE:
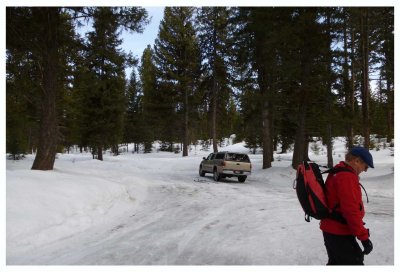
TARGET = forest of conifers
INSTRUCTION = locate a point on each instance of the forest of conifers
(271, 75)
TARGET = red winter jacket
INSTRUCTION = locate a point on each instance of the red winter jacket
(343, 188)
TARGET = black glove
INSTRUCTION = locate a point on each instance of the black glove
(367, 244)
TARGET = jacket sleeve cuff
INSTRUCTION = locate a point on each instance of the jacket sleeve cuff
(364, 236)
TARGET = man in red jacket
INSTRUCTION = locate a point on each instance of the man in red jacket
(343, 194)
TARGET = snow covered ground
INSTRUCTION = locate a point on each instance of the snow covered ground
(154, 209)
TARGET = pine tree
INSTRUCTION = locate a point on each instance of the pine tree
(39, 35)
(133, 129)
(327, 78)
(104, 101)
(213, 36)
(83, 79)
(382, 56)
(250, 105)
(22, 87)
(310, 54)
(347, 80)
(387, 69)
(71, 68)
(153, 105)
(365, 88)
(177, 60)
(260, 34)
(362, 29)
(20, 112)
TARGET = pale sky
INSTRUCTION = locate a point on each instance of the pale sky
(137, 42)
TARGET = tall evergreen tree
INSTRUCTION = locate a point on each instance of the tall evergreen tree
(213, 34)
(365, 83)
(327, 79)
(156, 105)
(22, 86)
(21, 105)
(309, 37)
(362, 38)
(348, 77)
(177, 60)
(40, 34)
(384, 38)
(250, 109)
(260, 36)
(82, 81)
(73, 67)
(133, 128)
(104, 101)
(265, 26)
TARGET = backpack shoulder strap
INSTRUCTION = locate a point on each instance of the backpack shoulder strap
(336, 170)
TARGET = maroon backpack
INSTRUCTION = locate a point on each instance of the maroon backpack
(310, 188)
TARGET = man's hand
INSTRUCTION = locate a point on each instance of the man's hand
(367, 244)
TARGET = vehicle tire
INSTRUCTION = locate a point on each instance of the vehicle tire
(242, 178)
(217, 177)
(201, 172)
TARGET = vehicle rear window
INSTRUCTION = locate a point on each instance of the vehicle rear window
(237, 157)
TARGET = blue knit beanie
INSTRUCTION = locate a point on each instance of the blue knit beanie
(364, 154)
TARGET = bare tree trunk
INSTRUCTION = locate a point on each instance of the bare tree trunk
(306, 148)
(273, 141)
(214, 115)
(267, 137)
(100, 153)
(365, 80)
(328, 89)
(186, 129)
(329, 146)
(348, 86)
(264, 82)
(351, 95)
(214, 93)
(390, 102)
(48, 135)
(390, 113)
(298, 152)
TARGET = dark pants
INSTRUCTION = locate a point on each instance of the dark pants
(343, 250)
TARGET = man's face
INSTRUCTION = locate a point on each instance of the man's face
(361, 166)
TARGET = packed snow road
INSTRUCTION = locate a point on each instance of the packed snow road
(154, 209)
